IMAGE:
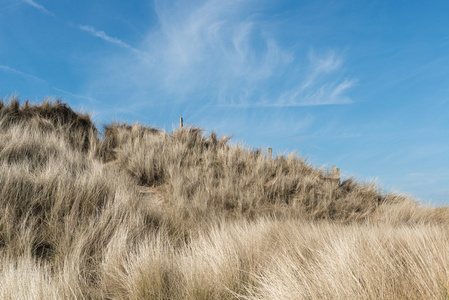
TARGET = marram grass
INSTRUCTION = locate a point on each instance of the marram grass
(139, 213)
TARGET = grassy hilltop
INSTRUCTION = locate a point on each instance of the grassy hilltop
(139, 213)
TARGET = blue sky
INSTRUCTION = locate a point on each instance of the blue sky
(363, 85)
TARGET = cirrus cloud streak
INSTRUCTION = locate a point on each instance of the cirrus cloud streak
(225, 53)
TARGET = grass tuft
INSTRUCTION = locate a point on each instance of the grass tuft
(139, 213)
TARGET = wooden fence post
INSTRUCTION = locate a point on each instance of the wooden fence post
(181, 122)
(270, 154)
(336, 174)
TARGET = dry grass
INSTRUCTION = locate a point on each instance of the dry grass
(144, 214)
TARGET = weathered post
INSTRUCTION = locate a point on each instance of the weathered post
(270, 154)
(336, 174)
(181, 123)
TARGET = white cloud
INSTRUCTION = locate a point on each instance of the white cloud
(320, 67)
(38, 6)
(25, 75)
(102, 35)
(320, 86)
(327, 94)
(76, 95)
(218, 45)
(225, 52)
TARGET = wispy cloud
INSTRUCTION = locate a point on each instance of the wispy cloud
(320, 67)
(331, 93)
(76, 95)
(102, 35)
(17, 72)
(103, 108)
(224, 53)
(319, 85)
(214, 44)
(39, 7)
